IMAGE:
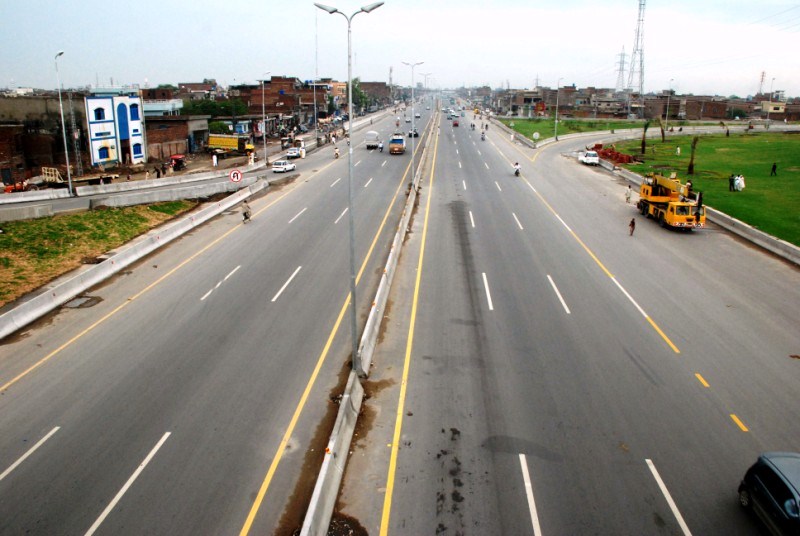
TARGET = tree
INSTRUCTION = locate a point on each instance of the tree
(644, 136)
(696, 139)
(663, 133)
(166, 86)
(218, 127)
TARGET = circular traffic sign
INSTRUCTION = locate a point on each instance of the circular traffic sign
(235, 175)
(535, 135)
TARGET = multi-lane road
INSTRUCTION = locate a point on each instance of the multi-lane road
(559, 376)
(551, 374)
(188, 398)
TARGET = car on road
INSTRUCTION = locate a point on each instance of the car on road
(417, 115)
(455, 122)
(408, 119)
(771, 489)
(413, 133)
(282, 166)
(293, 152)
(590, 158)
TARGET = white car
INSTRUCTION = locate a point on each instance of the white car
(408, 119)
(282, 166)
(293, 152)
(417, 115)
(590, 158)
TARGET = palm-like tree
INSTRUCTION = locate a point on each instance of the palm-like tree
(690, 171)
(644, 136)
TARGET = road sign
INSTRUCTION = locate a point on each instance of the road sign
(235, 175)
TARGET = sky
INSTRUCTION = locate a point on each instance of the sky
(702, 47)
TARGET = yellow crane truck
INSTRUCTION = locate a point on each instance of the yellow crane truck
(671, 203)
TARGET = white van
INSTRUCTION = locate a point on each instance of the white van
(372, 139)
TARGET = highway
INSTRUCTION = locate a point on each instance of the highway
(561, 376)
(188, 399)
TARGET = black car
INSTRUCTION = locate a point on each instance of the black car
(771, 488)
(413, 133)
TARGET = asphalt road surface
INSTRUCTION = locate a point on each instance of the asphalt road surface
(187, 398)
(562, 376)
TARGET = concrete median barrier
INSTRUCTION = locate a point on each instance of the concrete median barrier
(44, 194)
(28, 311)
(27, 212)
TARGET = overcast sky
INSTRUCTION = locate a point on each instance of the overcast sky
(705, 46)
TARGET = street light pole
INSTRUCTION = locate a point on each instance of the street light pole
(555, 126)
(353, 320)
(264, 119)
(64, 128)
(413, 144)
(669, 95)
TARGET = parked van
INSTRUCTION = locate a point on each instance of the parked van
(372, 139)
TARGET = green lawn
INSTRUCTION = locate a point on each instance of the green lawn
(33, 252)
(771, 204)
(545, 126)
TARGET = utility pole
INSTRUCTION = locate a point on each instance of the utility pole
(637, 61)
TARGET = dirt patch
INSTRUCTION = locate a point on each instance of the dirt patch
(295, 511)
(344, 525)
(385, 320)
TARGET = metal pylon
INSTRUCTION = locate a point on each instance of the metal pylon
(637, 60)
(74, 134)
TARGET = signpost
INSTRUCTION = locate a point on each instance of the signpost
(235, 175)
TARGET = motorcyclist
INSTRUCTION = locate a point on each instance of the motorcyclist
(483, 136)
(516, 169)
(380, 146)
(336, 153)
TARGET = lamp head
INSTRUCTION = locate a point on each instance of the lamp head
(60, 53)
(329, 9)
(371, 7)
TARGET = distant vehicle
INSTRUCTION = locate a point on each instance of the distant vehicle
(282, 166)
(455, 122)
(397, 143)
(427, 107)
(413, 133)
(590, 158)
(417, 115)
(771, 488)
(293, 152)
(408, 119)
(372, 139)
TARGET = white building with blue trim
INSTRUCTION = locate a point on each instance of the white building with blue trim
(116, 126)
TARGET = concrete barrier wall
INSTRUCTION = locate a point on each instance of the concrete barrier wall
(318, 515)
(35, 195)
(42, 304)
(27, 212)
(173, 194)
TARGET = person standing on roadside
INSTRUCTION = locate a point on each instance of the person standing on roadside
(632, 226)
(628, 193)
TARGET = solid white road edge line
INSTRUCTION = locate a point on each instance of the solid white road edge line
(471, 219)
(334, 182)
(517, 220)
(667, 496)
(127, 485)
(298, 215)
(207, 294)
(286, 284)
(614, 279)
(488, 294)
(30, 451)
(555, 288)
(526, 477)
(340, 216)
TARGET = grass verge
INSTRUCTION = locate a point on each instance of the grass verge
(34, 252)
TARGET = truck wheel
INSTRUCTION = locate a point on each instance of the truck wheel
(661, 219)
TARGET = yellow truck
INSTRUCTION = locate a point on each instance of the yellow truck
(397, 143)
(671, 203)
(225, 144)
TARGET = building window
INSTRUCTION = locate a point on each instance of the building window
(103, 153)
(137, 149)
(99, 114)
(134, 112)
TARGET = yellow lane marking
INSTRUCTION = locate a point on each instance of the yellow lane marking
(262, 491)
(739, 423)
(387, 499)
(701, 379)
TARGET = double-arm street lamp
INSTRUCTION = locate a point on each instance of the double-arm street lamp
(63, 127)
(413, 128)
(353, 323)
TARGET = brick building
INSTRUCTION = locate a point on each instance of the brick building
(378, 92)
(12, 156)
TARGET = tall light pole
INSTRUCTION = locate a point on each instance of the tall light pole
(669, 95)
(769, 106)
(425, 83)
(555, 126)
(64, 128)
(264, 119)
(353, 323)
(413, 144)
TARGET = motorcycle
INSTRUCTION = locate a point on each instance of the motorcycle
(336, 153)
(483, 136)
(516, 172)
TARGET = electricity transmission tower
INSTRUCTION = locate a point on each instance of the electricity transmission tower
(621, 72)
(637, 61)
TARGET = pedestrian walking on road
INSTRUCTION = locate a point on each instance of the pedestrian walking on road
(246, 212)
(774, 171)
(628, 193)
(632, 226)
